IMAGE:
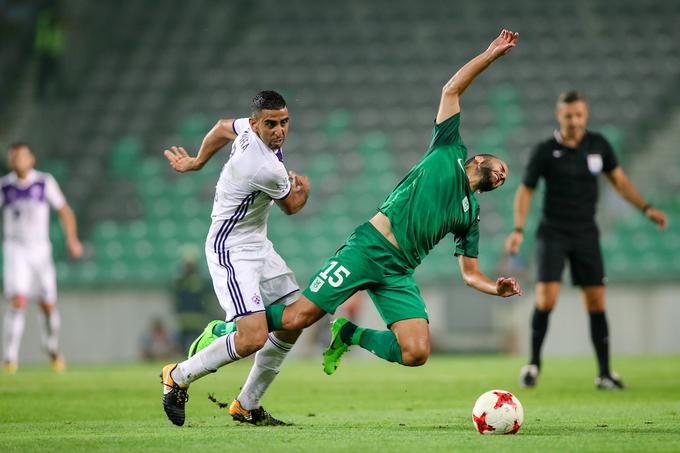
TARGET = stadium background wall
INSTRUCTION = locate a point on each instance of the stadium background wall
(98, 327)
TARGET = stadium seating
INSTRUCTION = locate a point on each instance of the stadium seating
(362, 80)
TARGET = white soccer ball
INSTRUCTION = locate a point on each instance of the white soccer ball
(497, 412)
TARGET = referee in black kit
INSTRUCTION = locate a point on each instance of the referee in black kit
(570, 162)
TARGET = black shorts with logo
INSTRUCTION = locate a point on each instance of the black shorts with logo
(580, 246)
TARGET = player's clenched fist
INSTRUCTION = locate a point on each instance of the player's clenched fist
(298, 183)
(508, 286)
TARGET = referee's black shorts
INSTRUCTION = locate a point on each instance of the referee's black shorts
(580, 246)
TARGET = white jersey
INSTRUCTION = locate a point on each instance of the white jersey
(26, 206)
(251, 179)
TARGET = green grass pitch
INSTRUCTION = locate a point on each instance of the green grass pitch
(368, 405)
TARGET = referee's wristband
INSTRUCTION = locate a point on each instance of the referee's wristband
(518, 230)
(646, 208)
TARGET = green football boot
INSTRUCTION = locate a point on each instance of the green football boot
(331, 357)
(212, 332)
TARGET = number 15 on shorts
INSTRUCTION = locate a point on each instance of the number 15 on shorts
(335, 279)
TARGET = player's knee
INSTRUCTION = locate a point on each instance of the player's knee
(251, 341)
(18, 302)
(299, 319)
(415, 354)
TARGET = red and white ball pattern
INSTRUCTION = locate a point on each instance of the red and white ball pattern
(497, 412)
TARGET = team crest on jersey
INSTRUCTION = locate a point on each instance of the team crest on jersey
(316, 284)
(595, 163)
(466, 204)
(257, 300)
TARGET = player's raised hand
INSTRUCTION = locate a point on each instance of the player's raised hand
(508, 286)
(504, 43)
(657, 216)
(179, 159)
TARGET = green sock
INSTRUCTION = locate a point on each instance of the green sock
(274, 314)
(382, 343)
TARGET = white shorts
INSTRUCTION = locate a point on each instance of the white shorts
(249, 278)
(28, 270)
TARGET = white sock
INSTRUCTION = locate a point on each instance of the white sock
(219, 353)
(267, 364)
(15, 319)
(52, 325)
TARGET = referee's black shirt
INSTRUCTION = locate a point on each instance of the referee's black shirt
(570, 177)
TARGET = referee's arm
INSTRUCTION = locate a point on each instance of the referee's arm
(629, 192)
(520, 210)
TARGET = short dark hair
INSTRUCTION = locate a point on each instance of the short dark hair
(267, 100)
(483, 155)
(571, 96)
(15, 145)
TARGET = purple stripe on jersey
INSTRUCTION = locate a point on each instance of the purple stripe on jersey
(235, 285)
(234, 289)
(233, 292)
(243, 213)
(238, 215)
(12, 193)
(233, 127)
(219, 238)
(224, 224)
(279, 154)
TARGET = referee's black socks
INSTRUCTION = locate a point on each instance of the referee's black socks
(599, 333)
(539, 326)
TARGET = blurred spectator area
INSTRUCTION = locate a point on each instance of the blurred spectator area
(362, 80)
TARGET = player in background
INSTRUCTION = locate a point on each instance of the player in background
(26, 196)
(434, 199)
(247, 273)
(570, 162)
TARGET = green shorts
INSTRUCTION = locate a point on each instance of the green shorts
(368, 261)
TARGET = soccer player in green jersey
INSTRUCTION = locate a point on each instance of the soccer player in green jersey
(434, 199)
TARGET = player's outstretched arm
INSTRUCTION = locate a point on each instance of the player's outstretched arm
(449, 104)
(221, 134)
(473, 277)
(629, 192)
(298, 195)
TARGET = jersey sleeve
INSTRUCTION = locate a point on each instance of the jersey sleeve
(240, 125)
(273, 181)
(53, 193)
(447, 132)
(468, 245)
(535, 168)
(609, 160)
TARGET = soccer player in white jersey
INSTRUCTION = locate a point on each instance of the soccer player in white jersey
(26, 196)
(247, 272)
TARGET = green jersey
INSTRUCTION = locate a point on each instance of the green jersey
(435, 199)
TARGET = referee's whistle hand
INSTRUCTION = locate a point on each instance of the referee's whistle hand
(657, 216)
(513, 242)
